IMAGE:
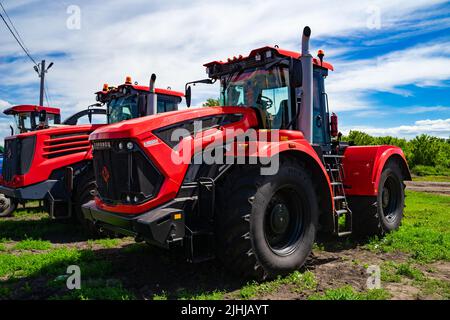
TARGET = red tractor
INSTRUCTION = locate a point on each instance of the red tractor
(26, 118)
(259, 222)
(55, 164)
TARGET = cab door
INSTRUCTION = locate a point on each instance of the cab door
(321, 130)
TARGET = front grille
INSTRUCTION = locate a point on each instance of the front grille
(11, 158)
(17, 157)
(124, 176)
(66, 144)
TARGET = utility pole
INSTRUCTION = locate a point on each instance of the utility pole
(41, 71)
(42, 76)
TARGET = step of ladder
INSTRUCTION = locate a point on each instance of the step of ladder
(331, 156)
(341, 212)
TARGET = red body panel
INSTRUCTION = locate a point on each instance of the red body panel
(139, 130)
(30, 108)
(363, 166)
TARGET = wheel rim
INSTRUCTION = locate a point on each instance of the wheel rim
(5, 203)
(390, 199)
(283, 221)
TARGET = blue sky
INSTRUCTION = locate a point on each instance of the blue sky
(391, 58)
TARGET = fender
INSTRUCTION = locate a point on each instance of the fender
(363, 166)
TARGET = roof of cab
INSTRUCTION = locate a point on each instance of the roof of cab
(30, 108)
(167, 92)
(282, 52)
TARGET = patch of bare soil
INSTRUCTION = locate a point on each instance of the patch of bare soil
(429, 186)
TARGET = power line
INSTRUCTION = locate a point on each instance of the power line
(18, 41)
(47, 93)
(39, 68)
(12, 25)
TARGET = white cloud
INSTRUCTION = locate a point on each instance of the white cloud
(4, 104)
(424, 65)
(423, 109)
(173, 39)
(438, 128)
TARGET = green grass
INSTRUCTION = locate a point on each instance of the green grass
(214, 295)
(28, 264)
(53, 262)
(348, 293)
(394, 272)
(104, 243)
(297, 281)
(425, 232)
(432, 178)
(31, 244)
(161, 296)
(35, 228)
(97, 292)
(436, 287)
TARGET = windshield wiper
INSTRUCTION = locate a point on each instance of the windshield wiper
(236, 73)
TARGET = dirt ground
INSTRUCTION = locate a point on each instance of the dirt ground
(428, 186)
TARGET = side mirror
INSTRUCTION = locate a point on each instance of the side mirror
(188, 96)
(42, 116)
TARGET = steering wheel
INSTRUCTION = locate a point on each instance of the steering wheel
(265, 102)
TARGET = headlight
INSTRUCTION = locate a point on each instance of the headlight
(120, 145)
(130, 145)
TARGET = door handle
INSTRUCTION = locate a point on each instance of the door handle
(319, 121)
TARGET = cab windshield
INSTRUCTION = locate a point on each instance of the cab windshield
(122, 108)
(29, 121)
(264, 89)
(24, 122)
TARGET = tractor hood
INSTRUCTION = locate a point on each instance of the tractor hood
(141, 127)
(57, 130)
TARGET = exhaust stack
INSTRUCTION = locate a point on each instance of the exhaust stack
(306, 108)
(152, 97)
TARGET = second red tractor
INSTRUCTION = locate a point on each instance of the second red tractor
(55, 164)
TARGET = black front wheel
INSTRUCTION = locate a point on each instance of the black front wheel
(7, 206)
(266, 225)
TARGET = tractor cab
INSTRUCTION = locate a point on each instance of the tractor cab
(269, 80)
(30, 118)
(129, 101)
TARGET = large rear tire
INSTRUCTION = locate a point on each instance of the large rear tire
(266, 225)
(385, 213)
(7, 206)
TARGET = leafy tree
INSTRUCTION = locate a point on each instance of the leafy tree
(211, 103)
(359, 138)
